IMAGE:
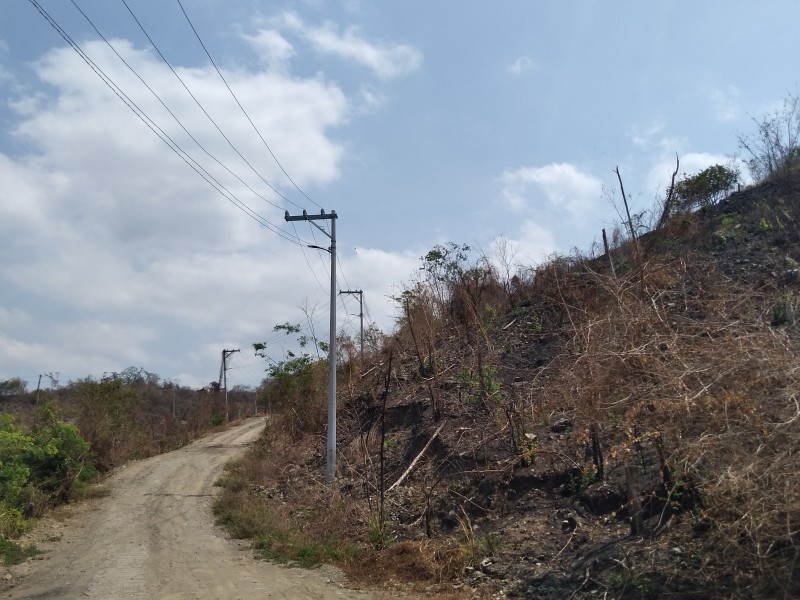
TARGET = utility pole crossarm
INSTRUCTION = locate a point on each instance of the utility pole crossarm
(307, 217)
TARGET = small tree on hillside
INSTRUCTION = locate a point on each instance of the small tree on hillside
(704, 189)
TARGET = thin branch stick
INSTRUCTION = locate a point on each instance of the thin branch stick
(416, 460)
(625, 201)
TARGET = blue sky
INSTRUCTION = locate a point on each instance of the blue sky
(419, 122)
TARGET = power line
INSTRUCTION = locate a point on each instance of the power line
(205, 112)
(247, 116)
(303, 250)
(160, 133)
(169, 141)
(172, 114)
(266, 145)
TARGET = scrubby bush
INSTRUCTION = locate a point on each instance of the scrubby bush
(296, 387)
(775, 145)
(38, 467)
(706, 188)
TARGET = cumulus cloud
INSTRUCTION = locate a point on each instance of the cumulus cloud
(370, 99)
(528, 245)
(651, 137)
(377, 272)
(387, 60)
(563, 185)
(273, 49)
(125, 254)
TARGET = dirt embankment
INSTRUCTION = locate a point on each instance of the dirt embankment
(153, 537)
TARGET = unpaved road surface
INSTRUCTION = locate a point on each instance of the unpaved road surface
(153, 537)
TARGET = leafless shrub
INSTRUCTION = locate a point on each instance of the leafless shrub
(774, 146)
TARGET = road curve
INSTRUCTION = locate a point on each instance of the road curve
(153, 537)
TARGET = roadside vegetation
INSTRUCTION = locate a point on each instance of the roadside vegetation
(54, 442)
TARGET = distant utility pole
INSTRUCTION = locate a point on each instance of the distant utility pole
(330, 472)
(360, 315)
(223, 376)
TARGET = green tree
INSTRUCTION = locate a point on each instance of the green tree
(13, 386)
(59, 458)
(296, 386)
(706, 188)
(15, 448)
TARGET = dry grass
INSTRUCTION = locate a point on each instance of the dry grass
(692, 363)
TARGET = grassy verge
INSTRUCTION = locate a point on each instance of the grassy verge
(278, 533)
(304, 523)
(12, 553)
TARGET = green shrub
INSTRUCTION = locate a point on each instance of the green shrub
(706, 188)
(13, 554)
(377, 534)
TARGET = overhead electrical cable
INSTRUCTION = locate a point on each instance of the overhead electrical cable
(202, 108)
(261, 137)
(305, 256)
(172, 114)
(160, 133)
(266, 145)
(319, 250)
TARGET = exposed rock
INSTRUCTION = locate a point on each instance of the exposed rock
(601, 498)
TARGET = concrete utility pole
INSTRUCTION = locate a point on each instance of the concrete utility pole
(360, 315)
(223, 376)
(330, 472)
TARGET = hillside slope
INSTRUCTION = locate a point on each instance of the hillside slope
(575, 431)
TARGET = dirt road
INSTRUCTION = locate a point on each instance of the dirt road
(153, 538)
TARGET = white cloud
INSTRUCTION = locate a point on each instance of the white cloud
(274, 50)
(725, 103)
(652, 137)
(388, 60)
(377, 272)
(370, 99)
(129, 257)
(521, 65)
(528, 245)
(564, 186)
(293, 114)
